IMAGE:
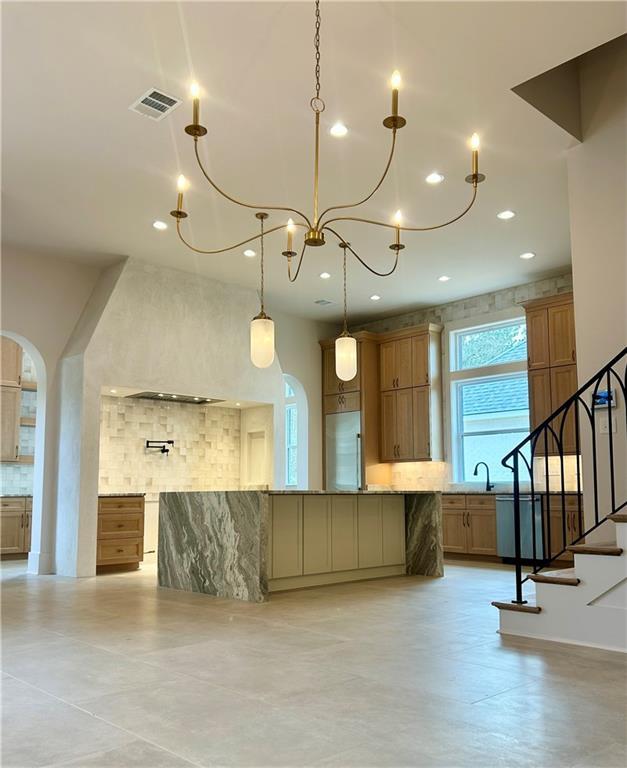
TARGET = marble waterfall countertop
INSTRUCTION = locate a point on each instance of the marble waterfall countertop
(216, 541)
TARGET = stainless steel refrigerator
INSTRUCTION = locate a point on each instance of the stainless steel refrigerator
(343, 451)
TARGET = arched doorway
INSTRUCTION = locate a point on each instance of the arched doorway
(22, 455)
(296, 434)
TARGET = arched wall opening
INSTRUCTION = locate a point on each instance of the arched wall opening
(296, 434)
(23, 478)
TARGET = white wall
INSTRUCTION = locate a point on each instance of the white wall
(42, 300)
(257, 447)
(597, 186)
(150, 327)
(300, 356)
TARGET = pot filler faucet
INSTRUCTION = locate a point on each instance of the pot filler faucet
(488, 485)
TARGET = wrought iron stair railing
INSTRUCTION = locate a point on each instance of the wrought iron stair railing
(550, 462)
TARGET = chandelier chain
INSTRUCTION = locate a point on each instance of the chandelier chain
(317, 47)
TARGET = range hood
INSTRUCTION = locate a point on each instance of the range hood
(165, 396)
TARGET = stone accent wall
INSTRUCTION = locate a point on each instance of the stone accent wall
(474, 307)
(205, 455)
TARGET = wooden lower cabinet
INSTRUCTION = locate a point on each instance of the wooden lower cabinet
(15, 525)
(120, 538)
(326, 538)
(10, 405)
(563, 522)
(469, 524)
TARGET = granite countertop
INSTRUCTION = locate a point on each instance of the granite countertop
(17, 495)
(349, 493)
(108, 495)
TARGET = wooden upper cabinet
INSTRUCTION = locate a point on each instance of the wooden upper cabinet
(11, 362)
(10, 405)
(540, 407)
(396, 364)
(332, 384)
(388, 426)
(563, 385)
(561, 325)
(420, 360)
(537, 338)
(404, 424)
(422, 422)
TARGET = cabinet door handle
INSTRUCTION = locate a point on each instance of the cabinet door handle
(17, 451)
(21, 521)
(568, 522)
(27, 520)
(120, 525)
(572, 354)
(468, 519)
(120, 551)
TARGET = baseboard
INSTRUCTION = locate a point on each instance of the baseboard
(336, 577)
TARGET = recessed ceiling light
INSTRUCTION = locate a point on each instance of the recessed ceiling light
(250, 253)
(237, 405)
(444, 278)
(196, 398)
(113, 391)
(173, 397)
(505, 215)
(434, 178)
(527, 255)
(160, 395)
(375, 297)
(338, 130)
(325, 275)
(159, 224)
(208, 400)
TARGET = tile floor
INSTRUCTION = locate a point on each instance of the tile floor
(114, 672)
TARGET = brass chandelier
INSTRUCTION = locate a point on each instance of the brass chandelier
(262, 326)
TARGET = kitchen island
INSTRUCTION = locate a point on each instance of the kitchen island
(246, 544)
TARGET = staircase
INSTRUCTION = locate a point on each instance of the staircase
(584, 603)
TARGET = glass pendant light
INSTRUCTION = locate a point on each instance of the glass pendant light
(262, 326)
(345, 344)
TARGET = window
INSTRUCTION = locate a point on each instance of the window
(489, 396)
(291, 436)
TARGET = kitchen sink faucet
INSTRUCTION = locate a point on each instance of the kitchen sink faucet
(488, 485)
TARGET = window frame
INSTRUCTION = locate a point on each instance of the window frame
(290, 405)
(453, 376)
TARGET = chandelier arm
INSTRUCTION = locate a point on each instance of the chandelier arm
(381, 180)
(239, 202)
(358, 257)
(228, 248)
(405, 229)
(300, 263)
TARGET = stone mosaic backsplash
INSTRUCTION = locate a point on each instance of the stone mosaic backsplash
(205, 455)
(475, 306)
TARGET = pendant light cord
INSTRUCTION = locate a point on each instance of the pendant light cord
(344, 246)
(317, 48)
(263, 313)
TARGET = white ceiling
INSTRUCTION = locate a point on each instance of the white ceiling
(83, 177)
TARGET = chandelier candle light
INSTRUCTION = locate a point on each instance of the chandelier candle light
(262, 327)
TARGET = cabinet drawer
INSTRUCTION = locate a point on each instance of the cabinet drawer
(13, 505)
(120, 551)
(480, 502)
(114, 525)
(453, 501)
(349, 401)
(571, 501)
(120, 504)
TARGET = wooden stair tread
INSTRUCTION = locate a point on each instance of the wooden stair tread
(595, 549)
(618, 517)
(526, 608)
(565, 577)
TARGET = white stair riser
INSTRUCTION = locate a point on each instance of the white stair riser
(621, 535)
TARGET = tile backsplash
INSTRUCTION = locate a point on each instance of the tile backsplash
(205, 455)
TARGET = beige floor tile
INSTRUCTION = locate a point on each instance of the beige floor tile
(40, 730)
(136, 754)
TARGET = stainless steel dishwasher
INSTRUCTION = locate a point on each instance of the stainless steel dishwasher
(505, 541)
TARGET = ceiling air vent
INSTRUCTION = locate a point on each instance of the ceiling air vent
(323, 302)
(155, 104)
